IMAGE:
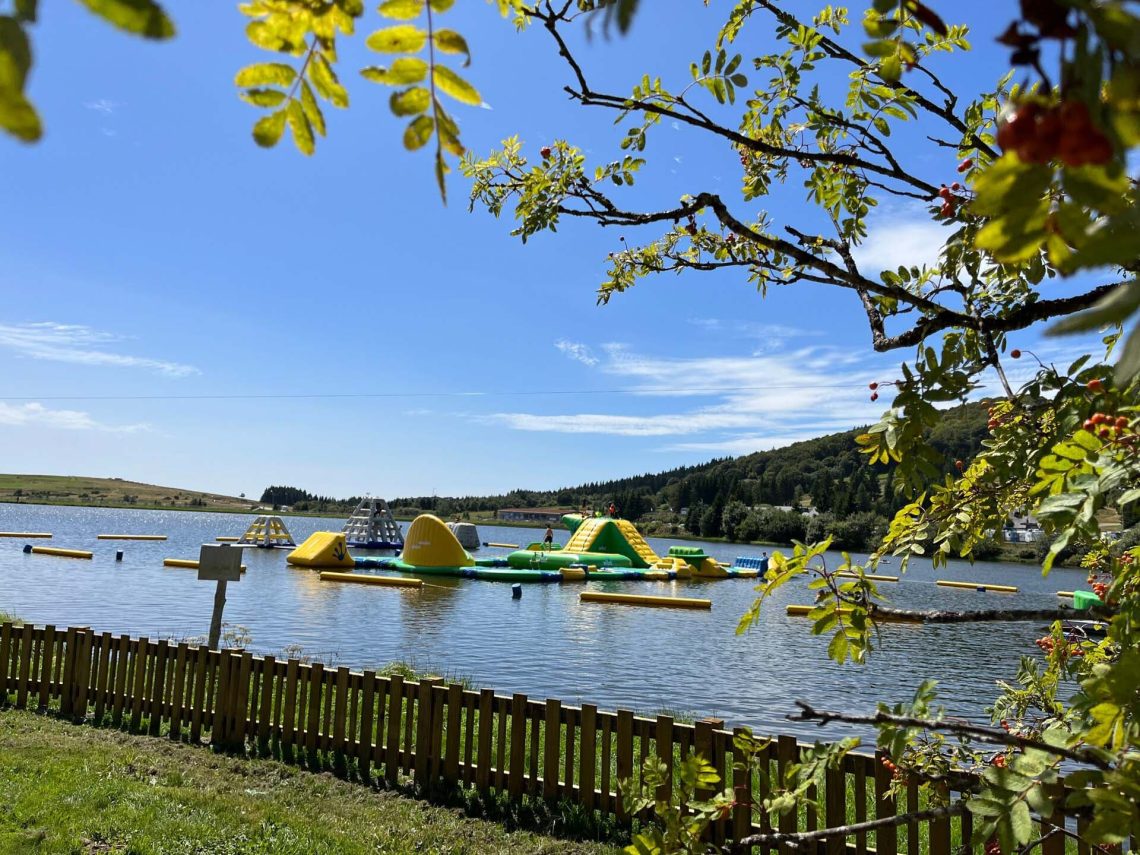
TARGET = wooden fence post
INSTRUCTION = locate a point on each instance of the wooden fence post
(67, 690)
(624, 762)
(486, 728)
(454, 726)
(5, 654)
(517, 762)
(886, 838)
(742, 791)
(423, 743)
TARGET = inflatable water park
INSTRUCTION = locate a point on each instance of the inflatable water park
(599, 548)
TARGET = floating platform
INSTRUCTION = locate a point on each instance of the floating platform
(187, 563)
(642, 600)
(363, 579)
(978, 586)
(795, 610)
(58, 552)
(130, 537)
(25, 534)
(372, 526)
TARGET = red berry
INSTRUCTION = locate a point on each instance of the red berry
(1074, 115)
(945, 193)
(1121, 422)
(1104, 433)
(965, 164)
(959, 465)
(955, 186)
(874, 396)
(545, 152)
(1095, 385)
(872, 386)
(1089, 424)
(947, 209)
(1015, 353)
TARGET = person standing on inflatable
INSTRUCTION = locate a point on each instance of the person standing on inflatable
(612, 510)
(548, 538)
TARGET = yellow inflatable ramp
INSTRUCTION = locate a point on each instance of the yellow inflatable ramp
(366, 579)
(62, 553)
(633, 536)
(643, 600)
(978, 586)
(322, 549)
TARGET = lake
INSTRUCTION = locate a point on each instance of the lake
(547, 644)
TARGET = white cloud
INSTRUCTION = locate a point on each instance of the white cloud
(577, 351)
(37, 415)
(900, 240)
(80, 345)
(752, 401)
(103, 105)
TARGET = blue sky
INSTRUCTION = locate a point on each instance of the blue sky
(366, 338)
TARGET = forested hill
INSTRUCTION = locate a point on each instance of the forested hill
(827, 473)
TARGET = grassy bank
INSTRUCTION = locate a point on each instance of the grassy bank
(69, 788)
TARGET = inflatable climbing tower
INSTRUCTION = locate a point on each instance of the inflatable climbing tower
(372, 526)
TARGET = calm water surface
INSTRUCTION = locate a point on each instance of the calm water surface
(547, 644)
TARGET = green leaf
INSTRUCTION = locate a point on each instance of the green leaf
(263, 73)
(409, 102)
(402, 39)
(418, 132)
(302, 130)
(17, 115)
(263, 97)
(312, 108)
(1129, 363)
(405, 70)
(1112, 308)
(452, 84)
(325, 81)
(449, 41)
(1008, 183)
(402, 10)
(837, 649)
(268, 129)
(441, 5)
(141, 17)
(26, 10)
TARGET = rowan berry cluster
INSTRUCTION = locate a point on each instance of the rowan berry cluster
(951, 197)
(1040, 133)
(897, 774)
(1114, 430)
(1048, 645)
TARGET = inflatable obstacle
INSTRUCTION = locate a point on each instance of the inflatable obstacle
(267, 532)
(372, 526)
(322, 549)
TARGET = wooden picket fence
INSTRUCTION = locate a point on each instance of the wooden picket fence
(437, 735)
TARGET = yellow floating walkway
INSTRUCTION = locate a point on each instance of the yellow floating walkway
(643, 600)
(188, 563)
(363, 579)
(1068, 594)
(503, 545)
(25, 534)
(62, 553)
(978, 586)
(843, 574)
(130, 537)
(804, 611)
(227, 539)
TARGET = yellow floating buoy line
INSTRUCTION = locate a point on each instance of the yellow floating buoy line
(25, 534)
(844, 574)
(188, 563)
(130, 537)
(368, 579)
(644, 600)
(503, 545)
(1068, 594)
(57, 551)
(978, 586)
(227, 539)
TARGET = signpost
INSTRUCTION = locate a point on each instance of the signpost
(219, 562)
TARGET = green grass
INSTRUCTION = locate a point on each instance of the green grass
(68, 788)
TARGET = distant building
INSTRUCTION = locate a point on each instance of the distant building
(544, 515)
(1022, 528)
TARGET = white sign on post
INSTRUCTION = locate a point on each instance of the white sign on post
(219, 562)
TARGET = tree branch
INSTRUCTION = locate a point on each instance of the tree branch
(810, 838)
(992, 735)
